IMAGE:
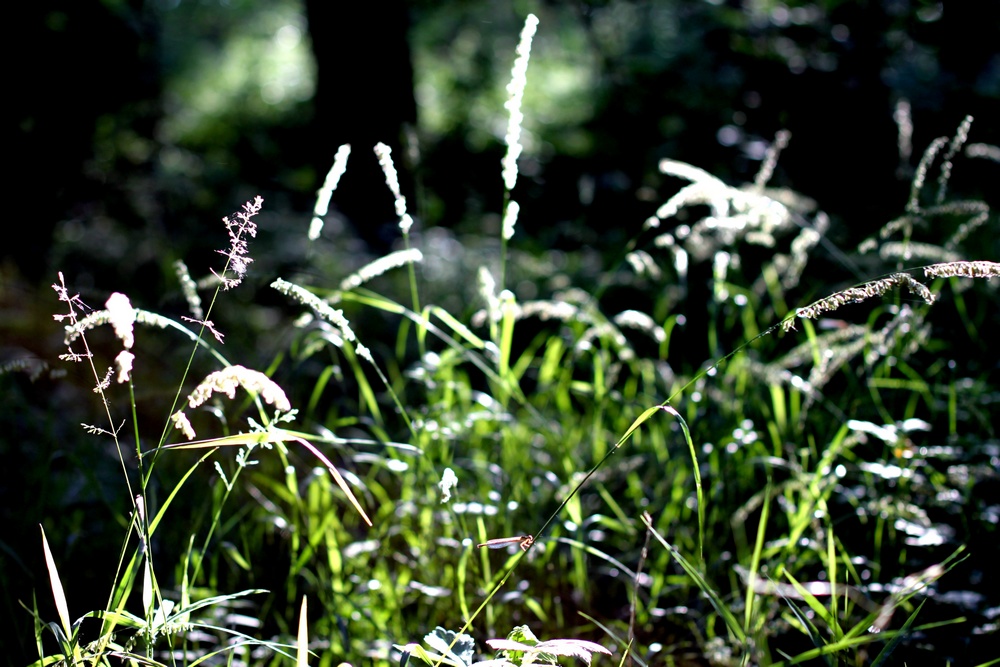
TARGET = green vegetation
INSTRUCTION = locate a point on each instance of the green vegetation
(731, 475)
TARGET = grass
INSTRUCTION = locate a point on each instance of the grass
(718, 475)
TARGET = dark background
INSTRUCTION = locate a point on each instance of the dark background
(133, 127)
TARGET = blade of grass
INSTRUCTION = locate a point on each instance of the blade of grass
(277, 435)
(55, 584)
(713, 597)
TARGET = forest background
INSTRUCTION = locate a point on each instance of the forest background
(135, 126)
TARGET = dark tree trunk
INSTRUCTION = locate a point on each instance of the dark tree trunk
(364, 95)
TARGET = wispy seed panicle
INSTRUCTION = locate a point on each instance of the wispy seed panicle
(326, 192)
(861, 293)
(961, 136)
(781, 140)
(228, 379)
(988, 151)
(122, 316)
(515, 90)
(384, 154)
(381, 265)
(123, 362)
(183, 424)
(913, 205)
(239, 227)
(318, 305)
(510, 220)
(189, 288)
(980, 269)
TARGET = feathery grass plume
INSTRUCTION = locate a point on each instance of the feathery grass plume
(749, 214)
(181, 422)
(189, 288)
(227, 380)
(320, 307)
(515, 90)
(861, 293)
(237, 259)
(913, 205)
(961, 136)
(384, 154)
(510, 220)
(121, 316)
(988, 151)
(381, 265)
(325, 193)
(978, 269)
(123, 362)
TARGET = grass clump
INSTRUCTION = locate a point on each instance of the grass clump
(759, 495)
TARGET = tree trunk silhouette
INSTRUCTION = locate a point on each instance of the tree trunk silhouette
(364, 95)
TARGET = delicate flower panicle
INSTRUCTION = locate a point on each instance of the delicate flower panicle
(384, 154)
(319, 306)
(510, 220)
(980, 269)
(515, 89)
(228, 379)
(326, 192)
(122, 316)
(238, 261)
(381, 265)
(859, 294)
